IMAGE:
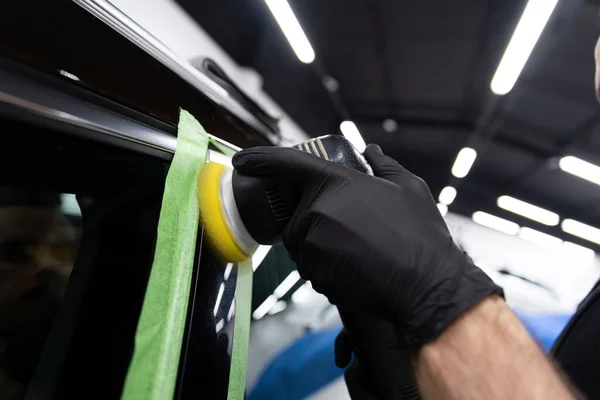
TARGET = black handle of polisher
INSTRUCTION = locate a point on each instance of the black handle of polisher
(388, 367)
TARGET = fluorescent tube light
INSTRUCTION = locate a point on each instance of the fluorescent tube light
(464, 161)
(287, 284)
(580, 168)
(539, 238)
(350, 131)
(530, 27)
(581, 230)
(220, 325)
(292, 30)
(447, 195)
(259, 255)
(219, 297)
(228, 270)
(443, 209)
(231, 312)
(264, 308)
(493, 222)
(278, 307)
(68, 75)
(528, 210)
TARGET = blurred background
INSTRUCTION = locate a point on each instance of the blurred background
(490, 101)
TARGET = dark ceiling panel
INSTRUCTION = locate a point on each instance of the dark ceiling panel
(431, 72)
(423, 140)
(569, 69)
(561, 187)
(593, 145)
(430, 54)
(346, 44)
(506, 161)
(433, 18)
(554, 115)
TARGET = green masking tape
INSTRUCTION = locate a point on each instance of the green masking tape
(241, 331)
(152, 373)
(153, 369)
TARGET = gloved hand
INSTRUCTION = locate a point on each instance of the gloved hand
(355, 377)
(373, 246)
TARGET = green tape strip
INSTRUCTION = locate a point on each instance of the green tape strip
(153, 369)
(241, 331)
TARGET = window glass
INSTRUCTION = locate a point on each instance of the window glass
(78, 225)
(80, 217)
(39, 237)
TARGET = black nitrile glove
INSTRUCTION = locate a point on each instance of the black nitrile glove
(356, 379)
(373, 246)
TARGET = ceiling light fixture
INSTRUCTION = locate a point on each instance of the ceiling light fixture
(580, 168)
(68, 75)
(330, 83)
(530, 27)
(581, 230)
(539, 238)
(464, 161)
(447, 195)
(389, 125)
(287, 284)
(219, 297)
(443, 209)
(278, 307)
(292, 30)
(231, 312)
(228, 270)
(264, 308)
(493, 222)
(259, 255)
(350, 131)
(527, 210)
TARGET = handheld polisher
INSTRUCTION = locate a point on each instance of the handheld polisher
(239, 212)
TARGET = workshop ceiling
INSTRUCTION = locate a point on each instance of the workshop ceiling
(428, 64)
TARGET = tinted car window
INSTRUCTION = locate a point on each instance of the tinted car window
(101, 237)
(88, 272)
(39, 237)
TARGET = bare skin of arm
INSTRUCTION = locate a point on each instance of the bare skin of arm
(487, 354)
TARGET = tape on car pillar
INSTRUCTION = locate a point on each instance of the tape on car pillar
(241, 331)
(154, 365)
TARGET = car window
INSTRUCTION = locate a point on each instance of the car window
(40, 233)
(78, 219)
(77, 230)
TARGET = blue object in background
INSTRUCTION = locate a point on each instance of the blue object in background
(544, 328)
(301, 369)
(308, 364)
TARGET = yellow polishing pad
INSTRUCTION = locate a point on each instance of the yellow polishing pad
(212, 214)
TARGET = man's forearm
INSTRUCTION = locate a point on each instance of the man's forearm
(487, 354)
